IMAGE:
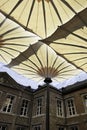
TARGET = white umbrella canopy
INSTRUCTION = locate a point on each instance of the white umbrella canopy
(70, 40)
(43, 63)
(13, 39)
(41, 16)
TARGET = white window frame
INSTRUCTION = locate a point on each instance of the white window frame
(85, 104)
(25, 108)
(39, 104)
(60, 111)
(71, 109)
(8, 103)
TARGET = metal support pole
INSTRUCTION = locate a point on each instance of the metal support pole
(47, 109)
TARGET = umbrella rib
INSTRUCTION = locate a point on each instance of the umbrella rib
(29, 66)
(83, 64)
(56, 11)
(11, 30)
(58, 67)
(54, 61)
(17, 4)
(75, 53)
(53, 65)
(67, 4)
(67, 59)
(33, 63)
(44, 14)
(66, 44)
(73, 33)
(67, 71)
(64, 69)
(14, 44)
(11, 49)
(32, 6)
(13, 38)
(26, 69)
(37, 57)
(80, 59)
(6, 52)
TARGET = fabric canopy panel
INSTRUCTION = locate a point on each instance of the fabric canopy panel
(41, 16)
(44, 63)
(13, 39)
(70, 40)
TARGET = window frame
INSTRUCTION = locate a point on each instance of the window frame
(8, 105)
(85, 107)
(59, 127)
(3, 126)
(71, 108)
(20, 128)
(24, 108)
(39, 106)
(59, 109)
(74, 127)
(37, 127)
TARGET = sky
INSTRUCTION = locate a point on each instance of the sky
(28, 82)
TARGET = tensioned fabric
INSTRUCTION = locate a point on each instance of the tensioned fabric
(70, 40)
(13, 39)
(41, 16)
(43, 63)
(55, 43)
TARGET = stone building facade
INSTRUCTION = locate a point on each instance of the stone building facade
(45, 108)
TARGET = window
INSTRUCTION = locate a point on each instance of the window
(61, 128)
(85, 101)
(24, 107)
(38, 127)
(73, 128)
(39, 106)
(71, 107)
(3, 128)
(8, 104)
(59, 107)
(20, 128)
(1, 80)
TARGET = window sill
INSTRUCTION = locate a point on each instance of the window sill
(38, 115)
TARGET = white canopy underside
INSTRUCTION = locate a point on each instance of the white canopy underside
(51, 41)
